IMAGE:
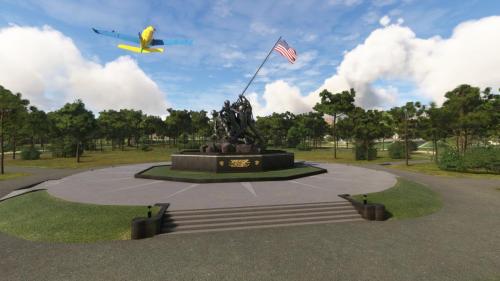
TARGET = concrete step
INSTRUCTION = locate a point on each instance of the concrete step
(259, 208)
(262, 212)
(262, 224)
(201, 220)
(179, 223)
(255, 216)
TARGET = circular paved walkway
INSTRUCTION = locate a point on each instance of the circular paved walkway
(117, 186)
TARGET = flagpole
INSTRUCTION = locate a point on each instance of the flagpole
(250, 82)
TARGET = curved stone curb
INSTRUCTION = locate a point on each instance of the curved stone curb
(242, 179)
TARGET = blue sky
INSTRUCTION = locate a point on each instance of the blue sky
(231, 38)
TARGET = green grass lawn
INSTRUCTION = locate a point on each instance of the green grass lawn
(166, 171)
(99, 159)
(37, 216)
(347, 156)
(108, 157)
(406, 199)
(9, 176)
(431, 168)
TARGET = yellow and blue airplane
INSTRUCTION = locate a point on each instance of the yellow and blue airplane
(144, 39)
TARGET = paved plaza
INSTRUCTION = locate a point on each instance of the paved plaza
(117, 186)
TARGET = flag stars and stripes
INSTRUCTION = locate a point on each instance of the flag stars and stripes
(285, 50)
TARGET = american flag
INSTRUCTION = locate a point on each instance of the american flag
(288, 52)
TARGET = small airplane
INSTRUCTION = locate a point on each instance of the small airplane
(144, 39)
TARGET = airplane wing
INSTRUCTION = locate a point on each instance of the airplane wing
(157, 42)
(115, 34)
(139, 50)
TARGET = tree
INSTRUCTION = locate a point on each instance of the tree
(75, 122)
(307, 126)
(153, 125)
(461, 102)
(37, 125)
(11, 106)
(133, 125)
(345, 128)
(113, 126)
(406, 121)
(366, 130)
(17, 120)
(334, 105)
(386, 127)
(178, 122)
(274, 128)
(200, 124)
(435, 126)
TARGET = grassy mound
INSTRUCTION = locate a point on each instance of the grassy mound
(37, 216)
(406, 199)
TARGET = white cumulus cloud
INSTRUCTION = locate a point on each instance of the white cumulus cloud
(48, 69)
(433, 65)
(279, 97)
(385, 20)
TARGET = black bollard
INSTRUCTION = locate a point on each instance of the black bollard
(379, 212)
(149, 212)
(369, 212)
(364, 199)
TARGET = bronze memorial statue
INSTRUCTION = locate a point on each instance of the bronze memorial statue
(236, 145)
(234, 130)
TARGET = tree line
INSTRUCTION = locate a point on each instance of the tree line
(470, 116)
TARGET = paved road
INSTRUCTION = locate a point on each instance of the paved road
(460, 242)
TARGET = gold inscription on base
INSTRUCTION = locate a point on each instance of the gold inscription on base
(243, 163)
(221, 163)
(257, 162)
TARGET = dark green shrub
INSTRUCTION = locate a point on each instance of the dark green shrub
(30, 153)
(145, 147)
(303, 146)
(293, 137)
(412, 146)
(365, 151)
(397, 150)
(479, 159)
(451, 160)
(190, 145)
(7, 146)
(65, 148)
(183, 138)
(482, 158)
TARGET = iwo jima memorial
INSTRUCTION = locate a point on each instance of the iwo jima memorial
(236, 146)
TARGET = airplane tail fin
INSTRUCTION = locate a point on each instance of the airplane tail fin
(139, 50)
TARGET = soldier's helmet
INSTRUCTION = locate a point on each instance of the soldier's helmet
(227, 103)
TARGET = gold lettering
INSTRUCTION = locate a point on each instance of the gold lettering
(221, 163)
(243, 163)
